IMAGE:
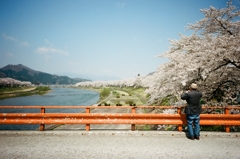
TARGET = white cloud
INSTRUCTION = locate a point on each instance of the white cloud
(120, 5)
(9, 55)
(50, 49)
(46, 50)
(25, 43)
(48, 42)
(9, 38)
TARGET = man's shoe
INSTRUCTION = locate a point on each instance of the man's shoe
(197, 138)
(191, 138)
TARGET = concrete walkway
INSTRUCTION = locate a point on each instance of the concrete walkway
(117, 145)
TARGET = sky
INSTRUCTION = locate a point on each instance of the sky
(94, 39)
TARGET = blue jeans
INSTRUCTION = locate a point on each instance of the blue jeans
(193, 125)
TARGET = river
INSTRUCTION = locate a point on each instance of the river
(56, 97)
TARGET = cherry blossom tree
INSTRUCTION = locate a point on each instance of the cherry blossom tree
(210, 57)
(10, 82)
(131, 82)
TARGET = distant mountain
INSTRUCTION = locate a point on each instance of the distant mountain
(24, 73)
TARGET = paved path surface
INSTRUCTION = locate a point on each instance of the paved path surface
(20, 91)
(117, 145)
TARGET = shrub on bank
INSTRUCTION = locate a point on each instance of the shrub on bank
(107, 104)
(105, 92)
(131, 103)
(43, 88)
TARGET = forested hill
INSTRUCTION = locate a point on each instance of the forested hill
(24, 73)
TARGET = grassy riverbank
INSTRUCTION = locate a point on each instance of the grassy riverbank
(9, 92)
(115, 96)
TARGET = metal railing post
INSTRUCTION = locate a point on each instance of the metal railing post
(179, 112)
(42, 126)
(87, 125)
(227, 127)
(133, 127)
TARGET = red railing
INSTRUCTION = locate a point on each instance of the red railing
(132, 118)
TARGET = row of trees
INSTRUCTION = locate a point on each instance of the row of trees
(209, 57)
(118, 83)
(10, 82)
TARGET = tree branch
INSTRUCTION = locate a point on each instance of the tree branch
(227, 61)
(233, 63)
(218, 67)
(224, 82)
(223, 26)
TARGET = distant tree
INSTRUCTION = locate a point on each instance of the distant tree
(10, 82)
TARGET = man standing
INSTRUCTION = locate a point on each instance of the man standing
(193, 111)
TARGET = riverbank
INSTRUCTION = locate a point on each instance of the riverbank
(22, 91)
(127, 96)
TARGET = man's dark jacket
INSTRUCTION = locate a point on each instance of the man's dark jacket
(193, 100)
